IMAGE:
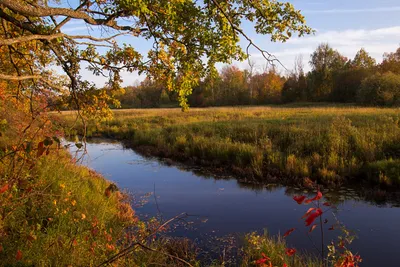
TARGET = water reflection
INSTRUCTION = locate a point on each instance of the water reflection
(223, 207)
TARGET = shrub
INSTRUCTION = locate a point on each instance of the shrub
(380, 90)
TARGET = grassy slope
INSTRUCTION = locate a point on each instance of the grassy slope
(64, 219)
(329, 143)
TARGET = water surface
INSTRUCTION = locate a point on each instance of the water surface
(223, 207)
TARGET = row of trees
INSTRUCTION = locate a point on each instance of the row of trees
(335, 78)
(332, 78)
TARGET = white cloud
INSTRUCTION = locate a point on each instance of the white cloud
(347, 42)
(353, 11)
(351, 37)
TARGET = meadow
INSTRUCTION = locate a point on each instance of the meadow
(333, 145)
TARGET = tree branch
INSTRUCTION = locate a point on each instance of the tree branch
(30, 77)
(266, 55)
(27, 38)
(21, 8)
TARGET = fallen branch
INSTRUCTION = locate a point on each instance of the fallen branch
(131, 247)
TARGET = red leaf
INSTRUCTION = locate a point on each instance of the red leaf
(263, 260)
(311, 218)
(284, 265)
(308, 212)
(4, 188)
(288, 232)
(327, 204)
(299, 199)
(18, 257)
(40, 149)
(317, 197)
(290, 251)
(331, 228)
(312, 228)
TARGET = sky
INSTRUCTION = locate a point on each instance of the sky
(347, 25)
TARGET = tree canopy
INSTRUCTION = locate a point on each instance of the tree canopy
(188, 38)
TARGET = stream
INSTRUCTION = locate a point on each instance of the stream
(222, 207)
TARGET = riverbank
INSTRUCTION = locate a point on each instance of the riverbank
(64, 214)
(71, 215)
(331, 145)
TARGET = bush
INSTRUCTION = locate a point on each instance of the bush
(380, 90)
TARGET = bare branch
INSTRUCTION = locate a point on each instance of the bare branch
(129, 249)
(267, 56)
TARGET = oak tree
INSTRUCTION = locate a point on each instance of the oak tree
(188, 38)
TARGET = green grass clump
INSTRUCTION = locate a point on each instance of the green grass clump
(329, 144)
(385, 171)
(275, 248)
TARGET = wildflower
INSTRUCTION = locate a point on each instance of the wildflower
(73, 202)
(62, 186)
(18, 257)
(83, 216)
(55, 202)
(290, 251)
(4, 188)
(110, 247)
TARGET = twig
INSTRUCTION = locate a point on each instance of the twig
(158, 208)
(129, 249)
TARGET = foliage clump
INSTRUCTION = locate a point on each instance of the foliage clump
(380, 90)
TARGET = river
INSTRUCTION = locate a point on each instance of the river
(220, 208)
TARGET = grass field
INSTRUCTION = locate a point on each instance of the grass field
(331, 144)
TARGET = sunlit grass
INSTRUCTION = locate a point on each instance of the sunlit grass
(332, 144)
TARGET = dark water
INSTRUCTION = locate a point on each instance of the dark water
(222, 207)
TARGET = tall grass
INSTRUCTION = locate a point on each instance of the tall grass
(274, 248)
(330, 144)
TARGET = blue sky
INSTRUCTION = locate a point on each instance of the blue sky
(346, 25)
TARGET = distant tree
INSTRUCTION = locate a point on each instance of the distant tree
(233, 86)
(347, 81)
(325, 61)
(363, 60)
(267, 86)
(391, 62)
(381, 90)
(295, 86)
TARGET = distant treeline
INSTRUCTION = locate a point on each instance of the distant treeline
(332, 78)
